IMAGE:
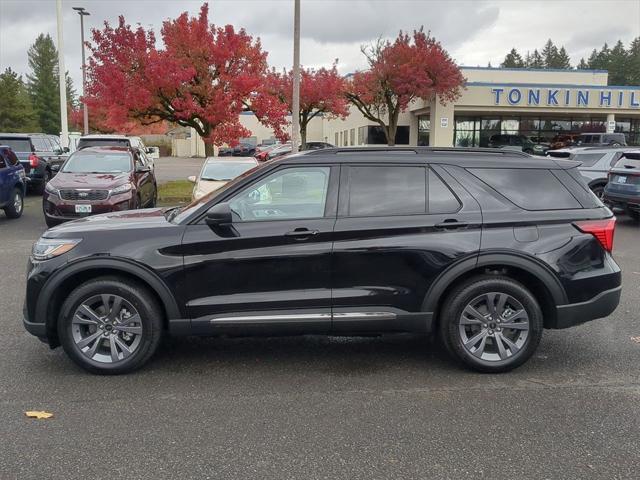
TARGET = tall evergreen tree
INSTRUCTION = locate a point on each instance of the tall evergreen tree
(633, 63)
(583, 65)
(512, 60)
(536, 60)
(593, 61)
(17, 113)
(43, 83)
(562, 60)
(618, 59)
(550, 54)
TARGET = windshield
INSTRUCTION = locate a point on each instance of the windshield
(180, 213)
(225, 170)
(16, 144)
(104, 142)
(92, 162)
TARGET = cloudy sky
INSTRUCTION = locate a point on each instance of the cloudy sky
(474, 32)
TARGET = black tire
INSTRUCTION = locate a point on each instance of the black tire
(12, 210)
(51, 222)
(598, 191)
(139, 297)
(468, 291)
(154, 198)
(138, 202)
(528, 150)
(40, 188)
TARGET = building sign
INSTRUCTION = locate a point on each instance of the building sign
(566, 97)
(444, 122)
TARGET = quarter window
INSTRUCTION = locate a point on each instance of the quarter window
(291, 193)
(387, 190)
(441, 198)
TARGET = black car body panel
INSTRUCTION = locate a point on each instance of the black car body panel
(342, 272)
(48, 153)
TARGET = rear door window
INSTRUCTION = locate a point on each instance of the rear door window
(41, 145)
(529, 189)
(387, 190)
(16, 144)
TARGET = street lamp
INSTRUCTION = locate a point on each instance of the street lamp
(82, 12)
(295, 107)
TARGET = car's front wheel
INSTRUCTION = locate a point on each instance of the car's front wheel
(491, 323)
(110, 325)
(16, 204)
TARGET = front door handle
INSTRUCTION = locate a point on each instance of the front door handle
(450, 224)
(301, 233)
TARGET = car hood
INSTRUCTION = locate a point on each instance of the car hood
(128, 219)
(89, 180)
(208, 186)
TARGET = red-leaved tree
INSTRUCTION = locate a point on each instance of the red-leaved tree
(203, 77)
(322, 91)
(412, 67)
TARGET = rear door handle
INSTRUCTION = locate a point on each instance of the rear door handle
(301, 233)
(451, 224)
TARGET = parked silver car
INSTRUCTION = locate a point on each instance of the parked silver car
(596, 163)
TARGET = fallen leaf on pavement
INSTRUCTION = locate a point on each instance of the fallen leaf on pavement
(38, 414)
(635, 339)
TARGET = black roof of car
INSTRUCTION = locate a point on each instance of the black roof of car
(463, 157)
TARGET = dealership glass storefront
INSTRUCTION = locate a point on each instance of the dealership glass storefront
(475, 131)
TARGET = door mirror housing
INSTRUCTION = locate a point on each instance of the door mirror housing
(55, 168)
(143, 169)
(192, 178)
(219, 215)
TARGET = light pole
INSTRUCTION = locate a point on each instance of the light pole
(64, 128)
(85, 113)
(295, 108)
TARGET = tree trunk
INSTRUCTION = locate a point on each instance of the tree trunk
(303, 136)
(390, 131)
(209, 149)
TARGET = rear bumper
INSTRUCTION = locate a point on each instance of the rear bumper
(621, 201)
(599, 306)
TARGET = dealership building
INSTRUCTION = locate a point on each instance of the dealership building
(535, 103)
(540, 104)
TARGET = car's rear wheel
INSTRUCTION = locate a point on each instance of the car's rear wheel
(491, 323)
(16, 204)
(110, 326)
(45, 180)
(598, 191)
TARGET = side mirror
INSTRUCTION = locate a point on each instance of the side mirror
(143, 169)
(55, 168)
(58, 151)
(148, 150)
(192, 178)
(219, 215)
(65, 150)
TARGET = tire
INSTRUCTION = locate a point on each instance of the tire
(16, 204)
(154, 198)
(528, 150)
(51, 222)
(488, 356)
(138, 202)
(40, 188)
(89, 340)
(598, 191)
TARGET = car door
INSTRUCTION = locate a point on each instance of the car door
(271, 268)
(398, 228)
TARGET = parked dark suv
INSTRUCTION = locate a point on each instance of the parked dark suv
(484, 247)
(12, 183)
(623, 189)
(40, 155)
(602, 140)
(98, 180)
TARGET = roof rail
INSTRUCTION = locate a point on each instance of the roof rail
(417, 150)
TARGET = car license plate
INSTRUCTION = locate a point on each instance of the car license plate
(621, 179)
(83, 208)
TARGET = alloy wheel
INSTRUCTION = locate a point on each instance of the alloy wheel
(494, 327)
(106, 328)
(17, 202)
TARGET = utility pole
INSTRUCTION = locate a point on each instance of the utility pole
(64, 130)
(85, 111)
(295, 110)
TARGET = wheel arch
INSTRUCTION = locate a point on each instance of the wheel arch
(534, 275)
(58, 287)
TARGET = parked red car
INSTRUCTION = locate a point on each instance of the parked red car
(99, 180)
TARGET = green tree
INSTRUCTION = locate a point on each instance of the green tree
(633, 63)
(618, 65)
(562, 60)
(43, 83)
(535, 60)
(512, 60)
(583, 65)
(16, 111)
(550, 54)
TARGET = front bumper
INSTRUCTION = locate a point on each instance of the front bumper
(56, 208)
(599, 306)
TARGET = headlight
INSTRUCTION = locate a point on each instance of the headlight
(121, 189)
(46, 248)
(50, 189)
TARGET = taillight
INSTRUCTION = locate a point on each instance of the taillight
(603, 230)
(33, 160)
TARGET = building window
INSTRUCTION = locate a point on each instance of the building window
(352, 137)
(336, 140)
(362, 133)
(376, 136)
(340, 144)
(424, 127)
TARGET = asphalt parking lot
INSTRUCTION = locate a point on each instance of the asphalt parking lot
(311, 407)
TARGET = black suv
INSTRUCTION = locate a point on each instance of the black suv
(40, 155)
(602, 140)
(484, 247)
